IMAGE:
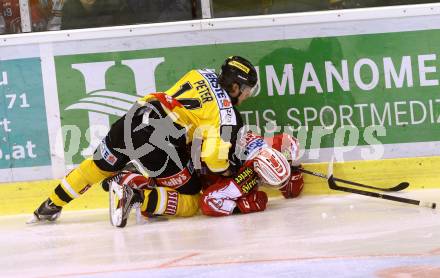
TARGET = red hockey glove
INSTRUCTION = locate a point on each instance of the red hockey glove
(253, 202)
(219, 199)
(294, 185)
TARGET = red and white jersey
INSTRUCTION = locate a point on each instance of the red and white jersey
(10, 10)
(41, 11)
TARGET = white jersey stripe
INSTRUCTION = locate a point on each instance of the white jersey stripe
(69, 188)
(161, 200)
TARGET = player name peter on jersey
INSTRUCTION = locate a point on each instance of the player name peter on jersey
(203, 90)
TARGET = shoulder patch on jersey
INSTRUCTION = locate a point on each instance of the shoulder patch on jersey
(227, 116)
(107, 155)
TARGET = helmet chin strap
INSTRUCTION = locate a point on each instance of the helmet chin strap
(234, 100)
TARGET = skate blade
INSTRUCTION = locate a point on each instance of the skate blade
(33, 220)
(116, 189)
(115, 213)
(36, 220)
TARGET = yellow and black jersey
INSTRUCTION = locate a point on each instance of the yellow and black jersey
(198, 103)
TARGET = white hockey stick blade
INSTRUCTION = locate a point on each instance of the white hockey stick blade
(330, 167)
(428, 205)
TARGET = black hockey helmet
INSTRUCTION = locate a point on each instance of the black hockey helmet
(237, 69)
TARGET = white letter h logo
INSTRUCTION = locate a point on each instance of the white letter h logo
(101, 103)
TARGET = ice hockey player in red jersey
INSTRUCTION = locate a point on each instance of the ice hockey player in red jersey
(45, 15)
(266, 163)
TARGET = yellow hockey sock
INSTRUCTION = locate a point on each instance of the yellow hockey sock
(167, 201)
(77, 182)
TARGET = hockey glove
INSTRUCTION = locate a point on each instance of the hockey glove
(219, 199)
(253, 202)
(293, 187)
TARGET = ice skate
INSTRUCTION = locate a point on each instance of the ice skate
(105, 183)
(122, 199)
(47, 211)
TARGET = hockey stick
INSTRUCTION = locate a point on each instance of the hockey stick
(332, 184)
(399, 187)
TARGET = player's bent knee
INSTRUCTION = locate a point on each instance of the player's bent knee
(91, 172)
(188, 205)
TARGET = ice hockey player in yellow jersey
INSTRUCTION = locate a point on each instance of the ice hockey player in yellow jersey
(166, 136)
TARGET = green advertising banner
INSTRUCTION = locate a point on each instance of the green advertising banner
(347, 90)
(23, 125)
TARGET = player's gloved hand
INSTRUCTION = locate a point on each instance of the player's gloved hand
(219, 199)
(253, 202)
(294, 185)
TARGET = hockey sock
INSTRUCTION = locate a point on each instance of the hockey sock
(167, 201)
(77, 182)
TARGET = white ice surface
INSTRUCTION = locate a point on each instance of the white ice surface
(335, 236)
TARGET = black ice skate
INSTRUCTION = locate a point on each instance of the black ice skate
(129, 168)
(122, 199)
(47, 211)
(105, 183)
